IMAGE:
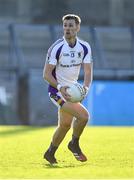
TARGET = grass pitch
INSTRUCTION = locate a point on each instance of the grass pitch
(110, 152)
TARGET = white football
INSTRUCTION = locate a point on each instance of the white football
(77, 92)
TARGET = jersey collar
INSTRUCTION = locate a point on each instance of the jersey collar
(68, 44)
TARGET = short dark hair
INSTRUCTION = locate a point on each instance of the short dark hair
(72, 16)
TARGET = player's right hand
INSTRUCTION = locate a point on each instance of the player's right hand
(64, 93)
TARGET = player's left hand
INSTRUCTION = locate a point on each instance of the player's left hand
(86, 89)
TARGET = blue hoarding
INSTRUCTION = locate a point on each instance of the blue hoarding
(111, 103)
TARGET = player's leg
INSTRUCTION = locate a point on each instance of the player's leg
(64, 124)
(67, 111)
(76, 110)
(82, 115)
(78, 127)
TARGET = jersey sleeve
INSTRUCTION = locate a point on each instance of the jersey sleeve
(51, 56)
(88, 55)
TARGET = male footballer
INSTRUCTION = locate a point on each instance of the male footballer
(62, 67)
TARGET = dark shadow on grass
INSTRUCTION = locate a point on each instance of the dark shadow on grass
(65, 165)
(18, 130)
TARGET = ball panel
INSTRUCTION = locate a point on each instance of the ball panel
(77, 93)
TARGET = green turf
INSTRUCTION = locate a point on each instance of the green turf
(110, 152)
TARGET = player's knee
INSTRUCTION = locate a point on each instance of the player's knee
(85, 117)
(66, 125)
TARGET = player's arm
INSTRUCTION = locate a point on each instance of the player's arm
(88, 68)
(50, 64)
(47, 75)
(88, 75)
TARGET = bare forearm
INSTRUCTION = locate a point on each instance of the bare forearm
(87, 79)
(88, 74)
(51, 80)
(47, 75)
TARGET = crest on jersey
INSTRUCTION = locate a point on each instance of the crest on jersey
(79, 54)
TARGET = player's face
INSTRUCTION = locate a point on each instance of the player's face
(70, 28)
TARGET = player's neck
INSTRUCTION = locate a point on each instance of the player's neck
(71, 41)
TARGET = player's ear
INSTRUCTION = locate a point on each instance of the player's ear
(78, 28)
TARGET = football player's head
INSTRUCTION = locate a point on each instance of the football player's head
(71, 25)
(76, 18)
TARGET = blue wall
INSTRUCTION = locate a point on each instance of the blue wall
(111, 103)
